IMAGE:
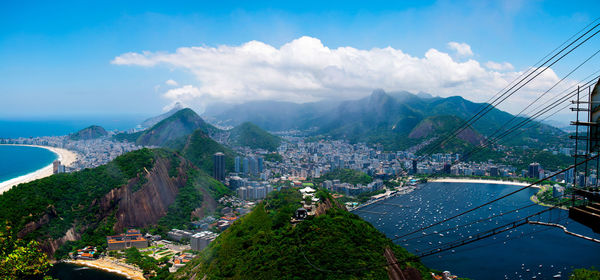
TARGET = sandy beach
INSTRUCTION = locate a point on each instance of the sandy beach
(66, 158)
(481, 181)
(112, 266)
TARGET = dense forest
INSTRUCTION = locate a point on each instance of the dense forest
(254, 137)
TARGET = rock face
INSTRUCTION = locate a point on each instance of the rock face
(134, 206)
(147, 205)
(326, 205)
(395, 272)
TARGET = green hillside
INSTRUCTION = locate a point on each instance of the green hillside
(384, 118)
(90, 132)
(199, 149)
(265, 245)
(252, 136)
(184, 122)
(93, 203)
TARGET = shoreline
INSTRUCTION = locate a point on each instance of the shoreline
(458, 180)
(482, 181)
(65, 156)
(108, 265)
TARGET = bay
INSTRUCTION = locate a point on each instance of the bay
(520, 253)
(16, 161)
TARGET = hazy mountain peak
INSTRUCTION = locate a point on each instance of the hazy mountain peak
(154, 120)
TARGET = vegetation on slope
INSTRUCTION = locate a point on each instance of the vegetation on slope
(180, 124)
(91, 132)
(190, 198)
(585, 274)
(199, 148)
(250, 135)
(46, 209)
(20, 259)
(68, 195)
(345, 175)
(129, 137)
(264, 245)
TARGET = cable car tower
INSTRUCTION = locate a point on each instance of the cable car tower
(587, 132)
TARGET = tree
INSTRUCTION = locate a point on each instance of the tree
(20, 260)
(585, 274)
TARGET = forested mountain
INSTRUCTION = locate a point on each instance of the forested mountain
(385, 118)
(150, 122)
(184, 122)
(334, 244)
(90, 132)
(137, 189)
(199, 148)
(250, 135)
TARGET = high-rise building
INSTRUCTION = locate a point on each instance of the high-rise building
(237, 164)
(534, 170)
(260, 161)
(569, 177)
(494, 171)
(253, 165)
(246, 166)
(447, 167)
(57, 167)
(219, 166)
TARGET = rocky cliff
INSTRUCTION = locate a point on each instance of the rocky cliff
(141, 201)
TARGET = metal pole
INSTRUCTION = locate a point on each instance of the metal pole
(576, 150)
(587, 142)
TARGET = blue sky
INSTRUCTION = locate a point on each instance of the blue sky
(58, 58)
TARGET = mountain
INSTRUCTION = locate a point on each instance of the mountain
(88, 133)
(443, 125)
(154, 120)
(333, 244)
(183, 123)
(270, 115)
(144, 188)
(388, 119)
(199, 148)
(250, 135)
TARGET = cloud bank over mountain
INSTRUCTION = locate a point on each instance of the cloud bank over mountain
(305, 70)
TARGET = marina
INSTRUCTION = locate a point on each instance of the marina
(525, 251)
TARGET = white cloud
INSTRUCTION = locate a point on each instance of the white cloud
(171, 82)
(462, 49)
(499, 66)
(305, 70)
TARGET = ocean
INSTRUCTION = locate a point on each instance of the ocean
(15, 128)
(16, 161)
(520, 253)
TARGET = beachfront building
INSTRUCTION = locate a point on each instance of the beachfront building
(131, 238)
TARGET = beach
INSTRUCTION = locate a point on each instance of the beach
(109, 265)
(66, 158)
(481, 181)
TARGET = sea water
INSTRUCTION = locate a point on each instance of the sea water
(16, 161)
(15, 128)
(524, 252)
